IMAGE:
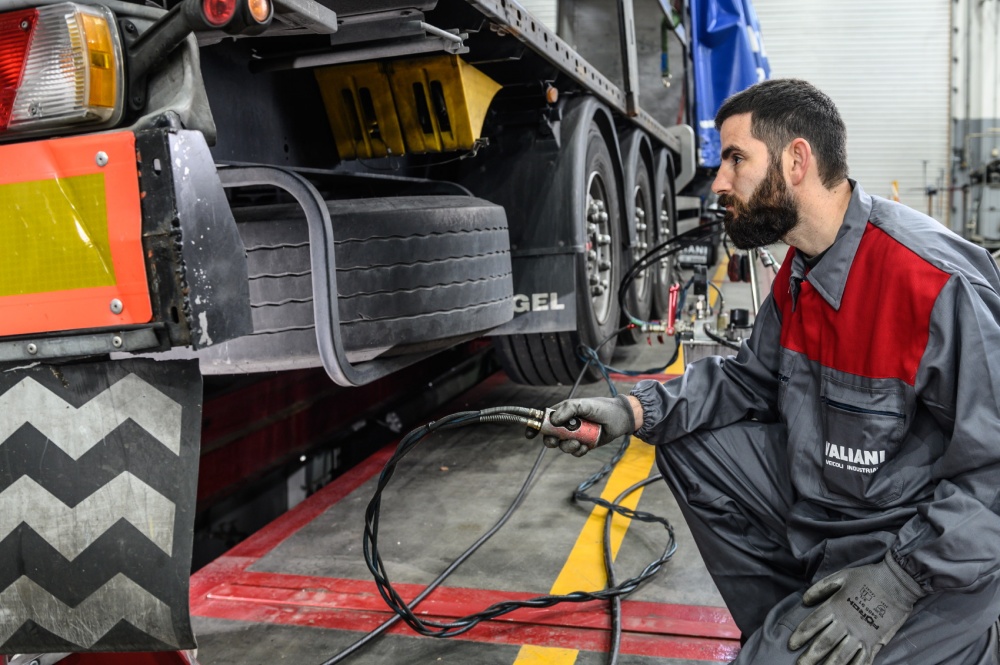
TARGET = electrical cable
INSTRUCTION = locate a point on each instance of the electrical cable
(615, 507)
(515, 504)
(722, 298)
(609, 566)
(653, 256)
(520, 415)
(431, 628)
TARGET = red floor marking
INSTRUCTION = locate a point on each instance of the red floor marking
(489, 632)
(650, 629)
(281, 590)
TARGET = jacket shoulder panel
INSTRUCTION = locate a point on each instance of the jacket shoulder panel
(883, 323)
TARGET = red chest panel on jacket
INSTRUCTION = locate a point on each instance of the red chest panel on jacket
(882, 326)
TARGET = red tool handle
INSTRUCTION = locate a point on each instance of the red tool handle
(586, 432)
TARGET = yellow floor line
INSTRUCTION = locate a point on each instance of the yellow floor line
(535, 655)
(720, 274)
(584, 569)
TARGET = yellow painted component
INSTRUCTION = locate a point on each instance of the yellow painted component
(584, 568)
(358, 100)
(441, 101)
(678, 365)
(422, 105)
(531, 654)
(101, 61)
(55, 235)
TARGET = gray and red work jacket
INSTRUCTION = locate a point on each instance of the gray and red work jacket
(883, 363)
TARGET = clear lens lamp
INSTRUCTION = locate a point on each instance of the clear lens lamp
(61, 66)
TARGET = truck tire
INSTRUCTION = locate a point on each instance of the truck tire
(421, 268)
(551, 358)
(410, 269)
(666, 228)
(640, 295)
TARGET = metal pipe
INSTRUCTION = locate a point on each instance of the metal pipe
(438, 32)
(754, 283)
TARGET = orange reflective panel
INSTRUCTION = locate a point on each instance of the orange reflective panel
(71, 235)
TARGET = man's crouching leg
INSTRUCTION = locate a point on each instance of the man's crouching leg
(733, 488)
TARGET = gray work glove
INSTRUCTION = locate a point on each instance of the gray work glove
(860, 609)
(613, 414)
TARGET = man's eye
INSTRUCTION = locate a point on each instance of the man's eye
(737, 159)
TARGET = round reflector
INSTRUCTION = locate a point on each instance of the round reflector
(218, 13)
(260, 10)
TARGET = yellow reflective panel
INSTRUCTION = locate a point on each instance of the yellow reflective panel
(101, 53)
(54, 236)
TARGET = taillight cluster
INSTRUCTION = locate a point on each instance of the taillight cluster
(60, 65)
(219, 13)
(244, 17)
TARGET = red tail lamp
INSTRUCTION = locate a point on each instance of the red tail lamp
(218, 13)
(237, 17)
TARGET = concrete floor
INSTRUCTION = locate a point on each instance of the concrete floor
(300, 591)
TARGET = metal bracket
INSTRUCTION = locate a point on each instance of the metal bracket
(684, 135)
(430, 39)
(626, 19)
(307, 15)
(43, 348)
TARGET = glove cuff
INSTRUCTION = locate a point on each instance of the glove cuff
(627, 405)
(908, 584)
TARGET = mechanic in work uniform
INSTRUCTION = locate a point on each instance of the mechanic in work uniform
(841, 473)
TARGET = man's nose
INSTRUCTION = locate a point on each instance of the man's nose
(721, 183)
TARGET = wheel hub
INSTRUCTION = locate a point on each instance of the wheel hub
(599, 249)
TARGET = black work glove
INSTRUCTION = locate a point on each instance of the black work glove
(860, 609)
(613, 414)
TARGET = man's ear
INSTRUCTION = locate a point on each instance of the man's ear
(800, 160)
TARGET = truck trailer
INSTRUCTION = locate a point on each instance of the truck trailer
(193, 188)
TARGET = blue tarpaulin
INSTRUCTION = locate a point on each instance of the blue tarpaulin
(728, 57)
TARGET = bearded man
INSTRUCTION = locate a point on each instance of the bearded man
(841, 473)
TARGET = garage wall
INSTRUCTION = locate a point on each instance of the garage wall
(543, 10)
(885, 63)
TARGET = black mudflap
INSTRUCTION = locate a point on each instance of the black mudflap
(98, 474)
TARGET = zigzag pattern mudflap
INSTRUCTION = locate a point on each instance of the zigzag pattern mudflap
(97, 497)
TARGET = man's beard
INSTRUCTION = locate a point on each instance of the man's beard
(765, 218)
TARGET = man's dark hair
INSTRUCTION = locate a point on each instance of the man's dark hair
(782, 110)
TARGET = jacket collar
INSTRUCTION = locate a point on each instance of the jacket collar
(829, 277)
